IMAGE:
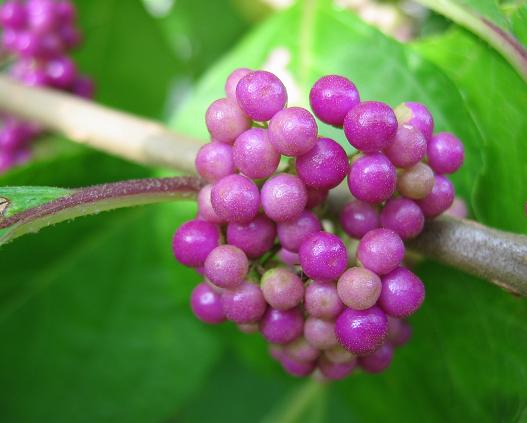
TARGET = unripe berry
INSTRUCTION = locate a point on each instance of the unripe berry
(282, 289)
(332, 97)
(408, 147)
(261, 95)
(226, 266)
(205, 209)
(381, 251)
(370, 126)
(402, 293)
(417, 115)
(338, 354)
(301, 350)
(417, 182)
(361, 331)
(320, 333)
(193, 241)
(359, 288)
(322, 300)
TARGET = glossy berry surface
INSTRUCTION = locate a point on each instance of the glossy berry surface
(440, 198)
(284, 197)
(293, 131)
(402, 293)
(445, 153)
(282, 327)
(381, 251)
(226, 121)
(193, 241)
(416, 115)
(403, 216)
(358, 218)
(372, 178)
(323, 257)
(206, 304)
(254, 155)
(254, 238)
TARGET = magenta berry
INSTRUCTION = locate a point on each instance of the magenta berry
(61, 72)
(214, 161)
(315, 197)
(407, 148)
(282, 289)
(288, 257)
(358, 218)
(445, 153)
(293, 131)
(336, 371)
(370, 126)
(440, 198)
(324, 166)
(254, 238)
(235, 198)
(332, 97)
(296, 367)
(359, 288)
(205, 209)
(416, 115)
(13, 15)
(402, 293)
(381, 251)
(399, 331)
(292, 233)
(322, 300)
(282, 326)
(232, 81)
(226, 266)
(226, 121)
(244, 304)
(206, 304)
(323, 257)
(254, 155)
(284, 197)
(193, 242)
(403, 216)
(361, 332)
(372, 178)
(377, 361)
(261, 95)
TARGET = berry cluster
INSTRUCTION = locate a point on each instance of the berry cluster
(272, 260)
(38, 34)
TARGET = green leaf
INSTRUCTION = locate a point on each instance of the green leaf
(17, 199)
(497, 99)
(317, 39)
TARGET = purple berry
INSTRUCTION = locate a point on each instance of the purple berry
(381, 251)
(254, 155)
(13, 137)
(244, 304)
(61, 72)
(261, 95)
(13, 15)
(297, 368)
(377, 361)
(293, 232)
(66, 12)
(7, 161)
(445, 153)
(403, 216)
(399, 331)
(301, 350)
(288, 257)
(10, 40)
(359, 288)
(226, 266)
(35, 78)
(83, 87)
(225, 120)
(372, 178)
(193, 241)
(284, 197)
(214, 161)
(282, 289)
(322, 300)
(206, 304)
(336, 371)
(235, 198)
(408, 147)
(370, 126)
(361, 332)
(293, 131)
(458, 209)
(332, 97)
(232, 81)
(315, 197)
(254, 238)
(402, 293)
(42, 15)
(323, 167)
(320, 333)
(282, 327)
(440, 198)
(417, 115)
(323, 257)
(358, 218)
(416, 182)
(205, 209)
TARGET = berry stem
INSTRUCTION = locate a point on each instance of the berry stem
(488, 253)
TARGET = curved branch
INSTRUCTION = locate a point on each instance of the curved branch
(495, 255)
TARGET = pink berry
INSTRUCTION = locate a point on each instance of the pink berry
(284, 197)
(225, 120)
(235, 198)
(226, 266)
(381, 251)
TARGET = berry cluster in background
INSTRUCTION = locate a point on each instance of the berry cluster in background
(272, 259)
(36, 39)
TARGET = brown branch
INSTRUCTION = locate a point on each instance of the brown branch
(495, 255)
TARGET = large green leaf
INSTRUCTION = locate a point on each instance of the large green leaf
(497, 99)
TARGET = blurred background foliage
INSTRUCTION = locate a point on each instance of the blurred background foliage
(95, 324)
